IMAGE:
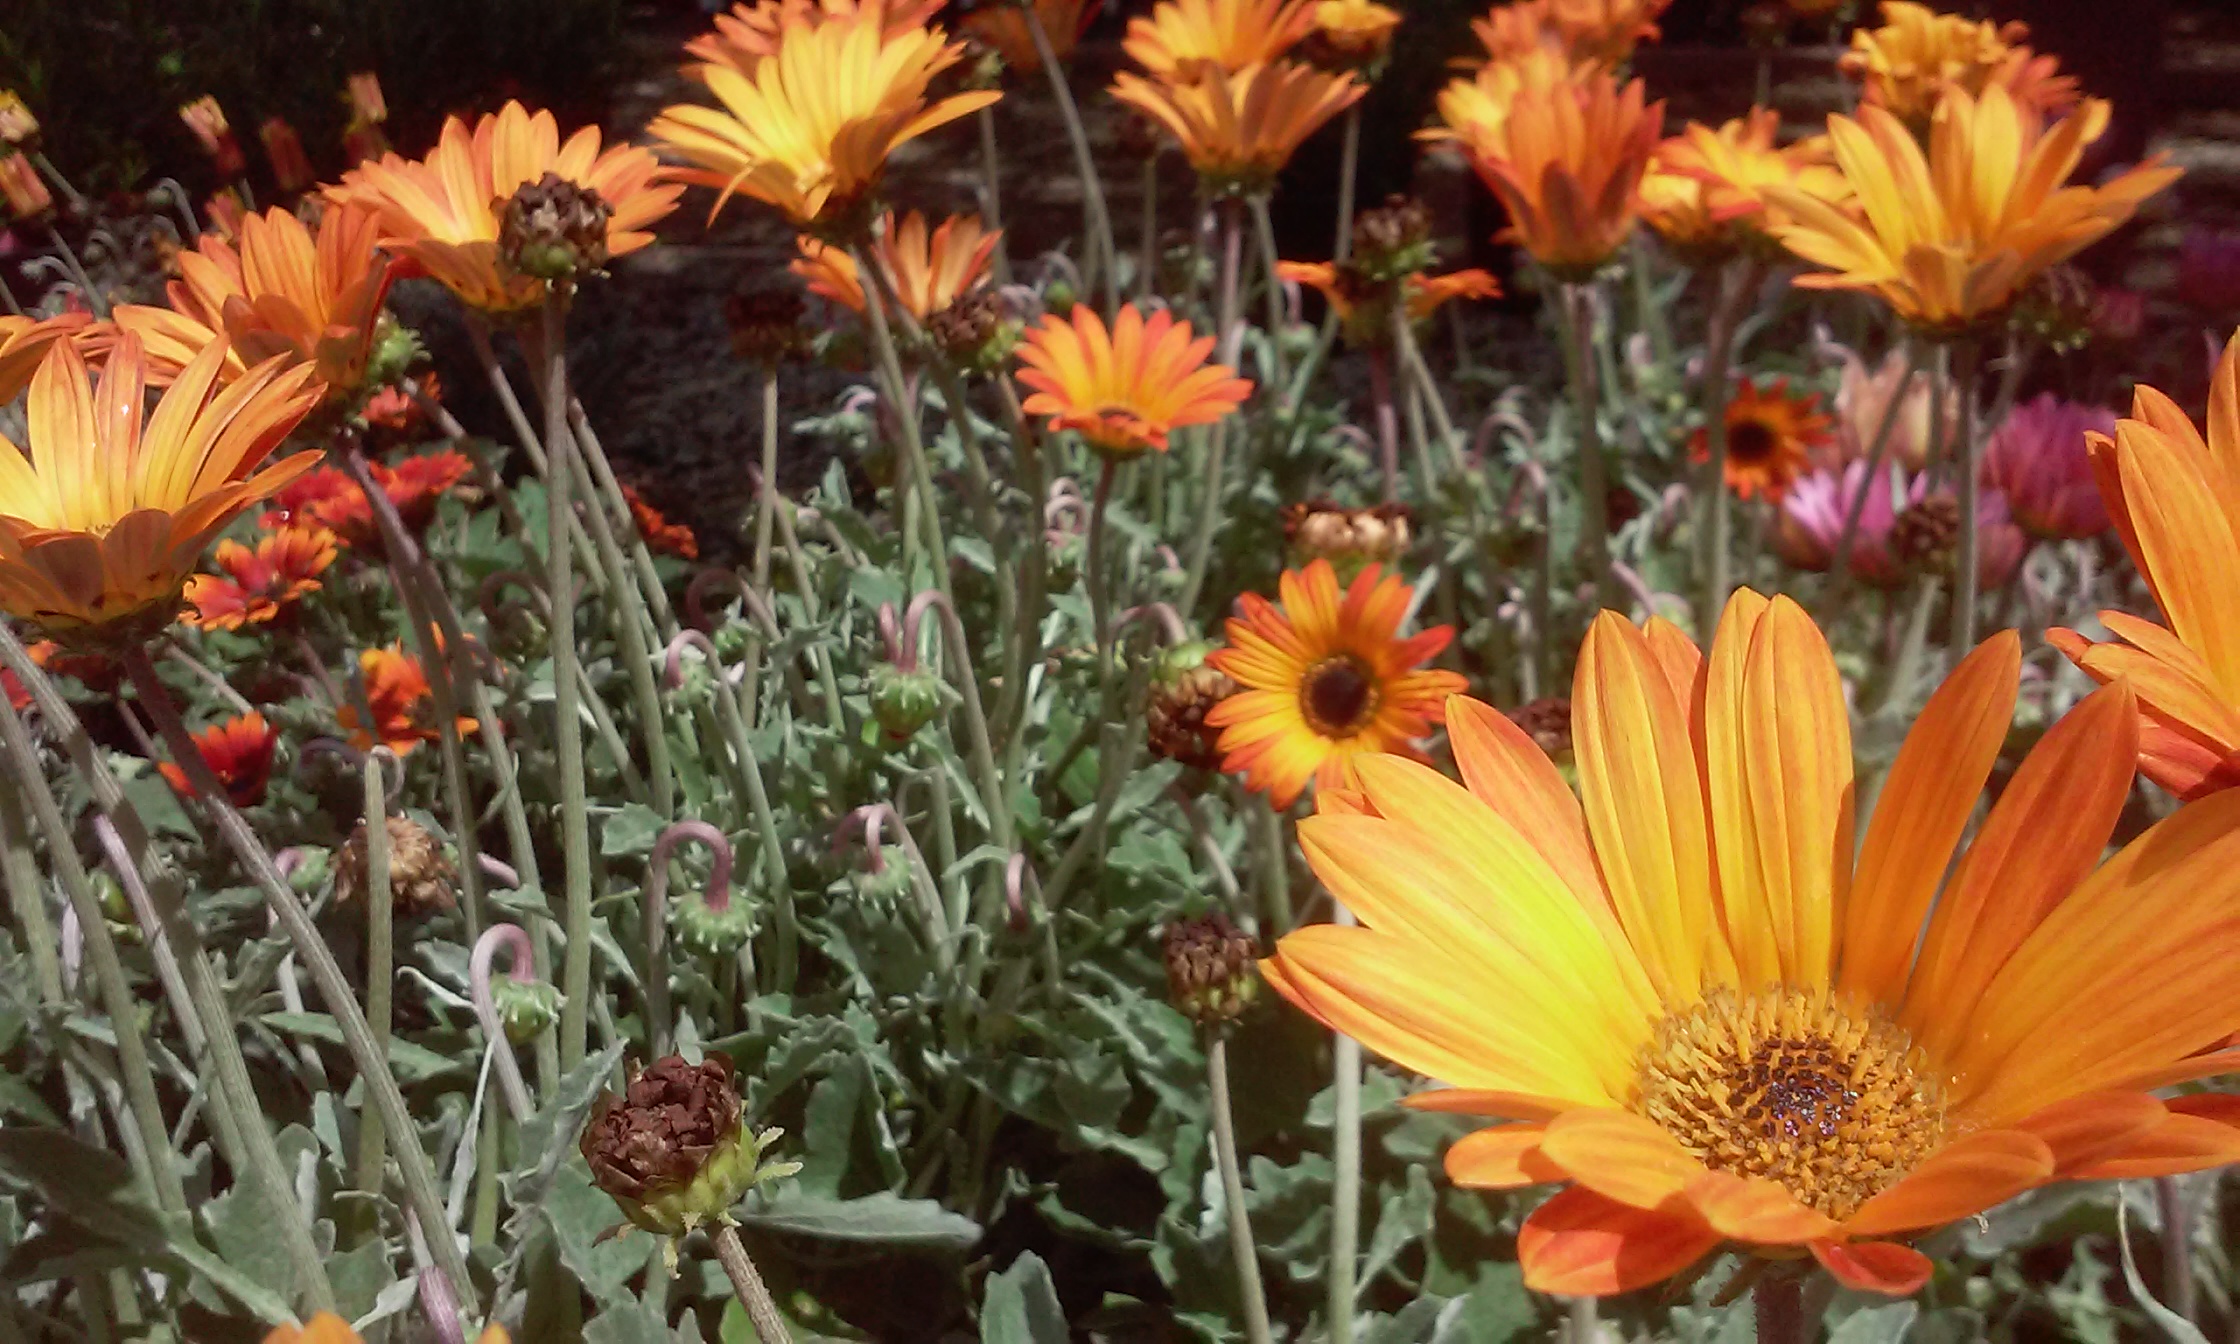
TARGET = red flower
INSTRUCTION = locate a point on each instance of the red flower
(19, 695)
(392, 408)
(415, 484)
(326, 498)
(661, 535)
(239, 752)
(397, 693)
(260, 585)
(291, 168)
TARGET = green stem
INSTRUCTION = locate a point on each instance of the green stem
(1839, 567)
(1147, 261)
(1100, 602)
(661, 620)
(766, 499)
(876, 296)
(1345, 1181)
(311, 948)
(1241, 1249)
(1576, 311)
(380, 927)
(1096, 219)
(2178, 1288)
(762, 1311)
(575, 820)
(1349, 167)
(1026, 650)
(1264, 230)
(631, 620)
(1966, 361)
(1209, 505)
(1732, 284)
(991, 191)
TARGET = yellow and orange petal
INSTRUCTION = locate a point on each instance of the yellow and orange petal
(2174, 494)
(239, 752)
(24, 342)
(1723, 1021)
(1773, 436)
(662, 536)
(278, 290)
(1126, 389)
(21, 187)
(1364, 308)
(750, 32)
(1004, 27)
(1353, 32)
(1328, 679)
(1737, 161)
(443, 212)
(808, 129)
(1950, 237)
(1239, 128)
(1182, 41)
(1907, 63)
(928, 269)
(416, 483)
(260, 585)
(399, 698)
(110, 508)
(1599, 31)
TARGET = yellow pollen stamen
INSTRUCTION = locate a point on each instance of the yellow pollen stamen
(1832, 1105)
(1339, 696)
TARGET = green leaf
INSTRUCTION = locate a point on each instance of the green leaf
(412, 1064)
(548, 1137)
(1021, 1306)
(630, 831)
(1876, 1325)
(579, 1213)
(632, 1323)
(886, 1218)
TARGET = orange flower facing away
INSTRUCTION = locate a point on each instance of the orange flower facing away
(239, 752)
(24, 342)
(206, 122)
(1772, 437)
(1239, 129)
(277, 291)
(1328, 680)
(444, 212)
(930, 269)
(1564, 148)
(260, 585)
(2174, 494)
(291, 167)
(106, 514)
(1353, 33)
(809, 128)
(328, 1328)
(1125, 390)
(1184, 40)
(1364, 306)
(1004, 27)
(1601, 31)
(1906, 64)
(22, 188)
(662, 536)
(1685, 998)
(1951, 238)
(397, 693)
(750, 32)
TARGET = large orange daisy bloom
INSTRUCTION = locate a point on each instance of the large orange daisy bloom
(749, 33)
(1906, 64)
(1694, 1007)
(1328, 679)
(1737, 161)
(280, 292)
(1183, 40)
(1772, 436)
(103, 519)
(1951, 238)
(2175, 498)
(1125, 390)
(929, 268)
(444, 211)
(1239, 129)
(809, 128)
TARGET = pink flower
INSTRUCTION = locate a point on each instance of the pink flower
(1810, 526)
(2038, 459)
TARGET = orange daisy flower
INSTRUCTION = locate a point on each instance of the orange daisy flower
(397, 693)
(1733, 164)
(928, 270)
(662, 536)
(809, 128)
(280, 291)
(1907, 63)
(325, 499)
(417, 482)
(1564, 148)
(1183, 40)
(104, 516)
(1327, 680)
(1352, 33)
(22, 188)
(239, 752)
(2175, 497)
(444, 211)
(1239, 129)
(1599, 31)
(1703, 1014)
(260, 585)
(1364, 306)
(24, 342)
(749, 33)
(1125, 390)
(291, 167)
(1004, 27)
(1772, 437)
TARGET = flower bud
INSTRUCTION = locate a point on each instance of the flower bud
(1547, 721)
(1926, 536)
(703, 930)
(1211, 972)
(18, 128)
(1349, 539)
(974, 329)
(884, 887)
(766, 326)
(673, 1150)
(526, 1008)
(903, 702)
(554, 229)
(1392, 240)
(420, 877)
(1184, 692)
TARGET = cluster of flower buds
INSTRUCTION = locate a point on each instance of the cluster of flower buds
(1392, 240)
(1350, 539)
(976, 330)
(1184, 690)
(1212, 971)
(421, 878)
(673, 1150)
(554, 229)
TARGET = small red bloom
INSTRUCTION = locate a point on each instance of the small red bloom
(291, 168)
(260, 585)
(661, 535)
(326, 498)
(397, 693)
(239, 752)
(416, 483)
(393, 408)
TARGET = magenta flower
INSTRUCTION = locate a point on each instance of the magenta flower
(1810, 525)
(2038, 459)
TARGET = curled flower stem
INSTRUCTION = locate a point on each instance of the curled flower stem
(380, 930)
(1241, 1248)
(1231, 335)
(718, 897)
(869, 819)
(515, 940)
(754, 1295)
(1103, 252)
(1163, 615)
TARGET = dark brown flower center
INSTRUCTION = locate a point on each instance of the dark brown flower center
(1751, 442)
(1338, 696)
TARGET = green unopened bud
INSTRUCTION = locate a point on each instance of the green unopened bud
(1059, 295)
(904, 701)
(526, 1008)
(673, 1150)
(885, 886)
(395, 349)
(702, 930)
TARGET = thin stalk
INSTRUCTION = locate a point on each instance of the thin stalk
(1241, 1249)
(2178, 1288)
(762, 1310)
(982, 488)
(234, 699)
(1209, 506)
(631, 621)
(1100, 602)
(876, 297)
(1581, 1327)
(1276, 871)
(478, 334)
(95, 299)
(976, 720)
(1388, 421)
(766, 499)
(1026, 651)
(1224, 875)
(1345, 1180)
(1732, 282)
(422, 1197)
(661, 620)
(1839, 568)
(1967, 366)
(1096, 219)
(575, 821)
(1778, 1303)
(1264, 230)
(380, 928)
(1147, 260)
(1411, 354)
(1349, 167)
(991, 190)
(1576, 310)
